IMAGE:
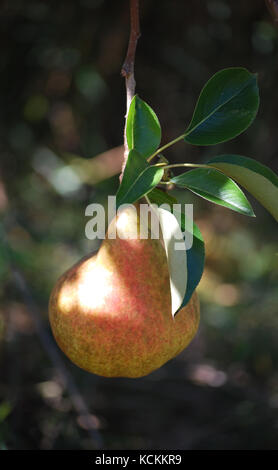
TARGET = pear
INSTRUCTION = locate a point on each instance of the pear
(111, 312)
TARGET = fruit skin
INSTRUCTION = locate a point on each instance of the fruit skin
(111, 312)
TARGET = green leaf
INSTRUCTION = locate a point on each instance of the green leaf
(139, 178)
(143, 131)
(226, 107)
(195, 264)
(177, 259)
(195, 258)
(258, 179)
(157, 196)
(134, 166)
(215, 187)
(196, 254)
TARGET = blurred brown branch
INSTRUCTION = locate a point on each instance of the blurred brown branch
(273, 8)
(99, 168)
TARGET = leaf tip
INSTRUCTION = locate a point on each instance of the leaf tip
(250, 213)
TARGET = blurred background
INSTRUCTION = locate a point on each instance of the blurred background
(62, 107)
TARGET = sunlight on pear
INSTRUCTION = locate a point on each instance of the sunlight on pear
(127, 224)
(93, 290)
(66, 299)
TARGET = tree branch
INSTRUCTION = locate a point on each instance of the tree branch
(128, 65)
(273, 8)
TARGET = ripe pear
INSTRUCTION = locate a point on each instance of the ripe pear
(111, 312)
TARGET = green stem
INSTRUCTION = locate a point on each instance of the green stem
(165, 147)
(182, 165)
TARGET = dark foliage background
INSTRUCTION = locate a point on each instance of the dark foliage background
(62, 103)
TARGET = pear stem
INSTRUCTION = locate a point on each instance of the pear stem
(128, 66)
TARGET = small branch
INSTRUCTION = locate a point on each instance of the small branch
(273, 8)
(128, 65)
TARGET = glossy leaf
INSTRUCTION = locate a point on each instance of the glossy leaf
(226, 107)
(215, 187)
(138, 179)
(177, 259)
(196, 255)
(259, 180)
(195, 264)
(134, 166)
(157, 196)
(143, 131)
